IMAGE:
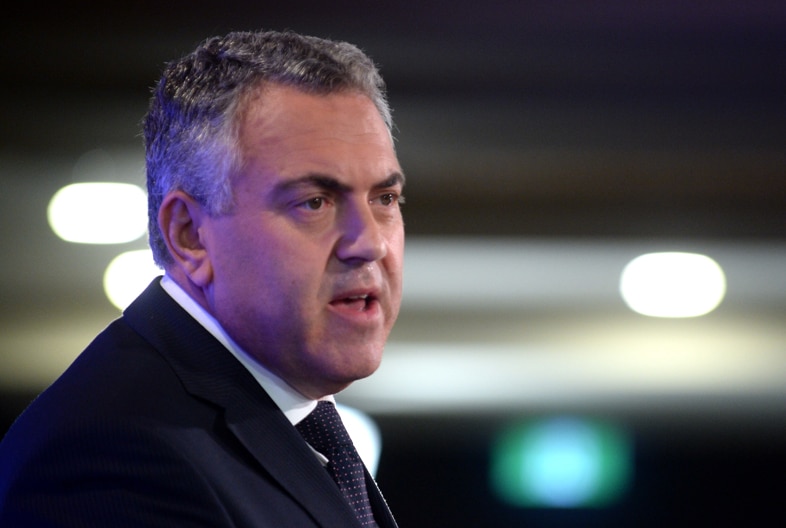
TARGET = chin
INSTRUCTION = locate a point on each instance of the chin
(363, 366)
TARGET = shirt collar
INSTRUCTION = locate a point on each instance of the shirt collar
(294, 405)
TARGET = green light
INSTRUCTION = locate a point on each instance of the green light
(561, 463)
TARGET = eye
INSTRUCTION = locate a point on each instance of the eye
(390, 199)
(313, 204)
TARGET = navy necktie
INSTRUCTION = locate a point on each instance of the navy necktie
(325, 432)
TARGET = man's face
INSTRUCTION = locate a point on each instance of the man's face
(307, 269)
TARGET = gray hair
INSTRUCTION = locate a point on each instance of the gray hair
(191, 128)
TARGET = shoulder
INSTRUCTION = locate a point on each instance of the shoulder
(102, 473)
(164, 466)
(136, 433)
(111, 441)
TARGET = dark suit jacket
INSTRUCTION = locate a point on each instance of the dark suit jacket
(156, 424)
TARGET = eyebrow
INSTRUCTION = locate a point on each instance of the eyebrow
(396, 178)
(329, 183)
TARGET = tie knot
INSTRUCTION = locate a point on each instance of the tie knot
(323, 429)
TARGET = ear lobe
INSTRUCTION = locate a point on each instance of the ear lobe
(180, 219)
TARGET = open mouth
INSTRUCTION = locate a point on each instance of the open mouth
(358, 303)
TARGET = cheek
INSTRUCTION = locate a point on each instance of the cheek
(395, 256)
(280, 270)
(241, 263)
(246, 243)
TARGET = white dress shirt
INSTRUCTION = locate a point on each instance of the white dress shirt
(294, 405)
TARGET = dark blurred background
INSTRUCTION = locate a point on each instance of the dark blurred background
(546, 144)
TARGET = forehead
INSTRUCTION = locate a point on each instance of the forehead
(276, 112)
(285, 132)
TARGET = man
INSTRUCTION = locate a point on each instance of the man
(274, 194)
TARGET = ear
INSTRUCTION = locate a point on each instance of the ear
(180, 219)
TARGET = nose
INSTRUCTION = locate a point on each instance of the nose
(362, 236)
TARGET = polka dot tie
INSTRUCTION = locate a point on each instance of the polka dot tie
(325, 432)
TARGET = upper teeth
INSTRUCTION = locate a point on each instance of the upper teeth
(354, 297)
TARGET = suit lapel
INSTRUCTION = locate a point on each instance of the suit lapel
(379, 505)
(209, 372)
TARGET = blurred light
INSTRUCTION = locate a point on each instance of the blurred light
(673, 284)
(561, 463)
(98, 212)
(365, 435)
(127, 275)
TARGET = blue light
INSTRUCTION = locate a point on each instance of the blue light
(561, 463)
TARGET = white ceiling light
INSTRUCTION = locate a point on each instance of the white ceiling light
(673, 284)
(127, 275)
(98, 212)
